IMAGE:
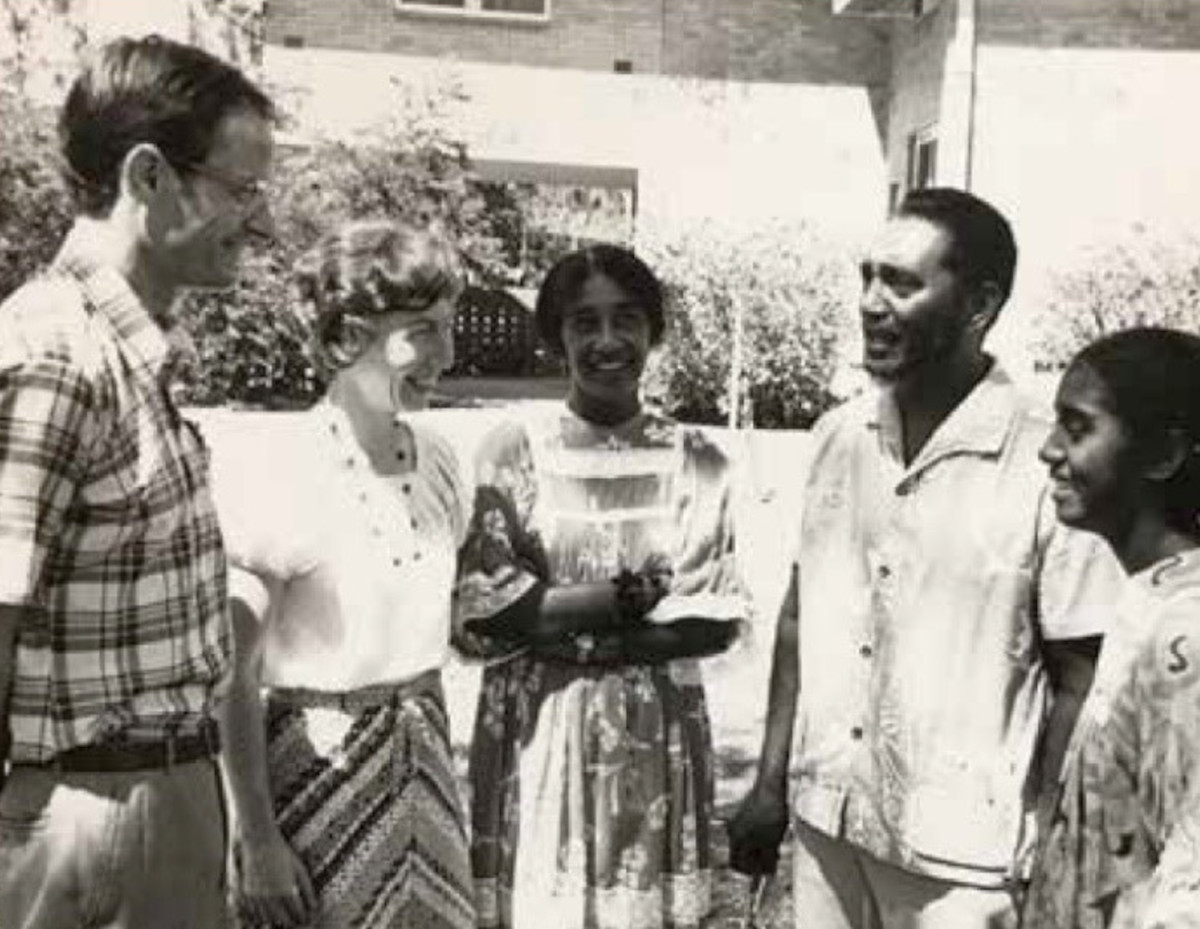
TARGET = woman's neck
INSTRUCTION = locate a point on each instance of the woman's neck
(603, 411)
(1148, 540)
(386, 441)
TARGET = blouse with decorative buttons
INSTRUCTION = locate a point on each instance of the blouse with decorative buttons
(351, 571)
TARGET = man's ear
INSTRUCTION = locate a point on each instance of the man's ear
(1171, 454)
(984, 304)
(143, 172)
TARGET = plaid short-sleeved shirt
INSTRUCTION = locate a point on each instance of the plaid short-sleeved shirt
(108, 536)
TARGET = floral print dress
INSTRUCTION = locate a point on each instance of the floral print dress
(1123, 849)
(592, 786)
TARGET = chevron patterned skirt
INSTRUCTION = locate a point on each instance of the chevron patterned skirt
(365, 792)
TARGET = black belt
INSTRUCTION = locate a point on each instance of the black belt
(117, 757)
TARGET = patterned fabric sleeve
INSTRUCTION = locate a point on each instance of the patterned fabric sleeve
(706, 582)
(446, 480)
(1150, 750)
(503, 557)
(1167, 677)
(48, 422)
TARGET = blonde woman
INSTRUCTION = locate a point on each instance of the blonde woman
(343, 526)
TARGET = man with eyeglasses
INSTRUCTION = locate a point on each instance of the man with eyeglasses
(113, 614)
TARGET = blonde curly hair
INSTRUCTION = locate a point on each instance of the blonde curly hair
(368, 268)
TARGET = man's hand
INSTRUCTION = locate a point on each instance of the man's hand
(270, 883)
(757, 830)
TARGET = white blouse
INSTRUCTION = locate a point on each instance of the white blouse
(351, 571)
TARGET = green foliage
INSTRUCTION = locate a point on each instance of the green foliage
(791, 294)
(35, 209)
(1140, 280)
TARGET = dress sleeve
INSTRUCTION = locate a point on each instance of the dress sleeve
(1152, 740)
(502, 557)
(1168, 680)
(707, 581)
(255, 467)
(446, 482)
(1079, 580)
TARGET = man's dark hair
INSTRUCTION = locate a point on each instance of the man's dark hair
(146, 90)
(982, 247)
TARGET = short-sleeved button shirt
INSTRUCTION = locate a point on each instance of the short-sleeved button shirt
(108, 536)
(925, 591)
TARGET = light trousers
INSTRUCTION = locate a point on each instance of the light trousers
(141, 850)
(836, 885)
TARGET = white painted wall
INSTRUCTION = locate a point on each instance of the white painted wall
(1078, 147)
(736, 152)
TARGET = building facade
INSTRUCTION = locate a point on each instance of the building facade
(1063, 112)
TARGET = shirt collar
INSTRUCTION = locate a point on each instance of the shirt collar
(1174, 571)
(109, 292)
(979, 424)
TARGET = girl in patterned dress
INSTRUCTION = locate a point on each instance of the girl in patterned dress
(343, 524)
(599, 566)
(1123, 847)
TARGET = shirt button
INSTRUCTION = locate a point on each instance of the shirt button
(413, 522)
(885, 571)
(395, 562)
(856, 733)
(407, 488)
(416, 556)
(866, 651)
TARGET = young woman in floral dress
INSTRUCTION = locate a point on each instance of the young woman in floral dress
(599, 567)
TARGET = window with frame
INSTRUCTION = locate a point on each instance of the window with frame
(516, 9)
(922, 158)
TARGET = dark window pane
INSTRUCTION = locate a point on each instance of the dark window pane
(536, 7)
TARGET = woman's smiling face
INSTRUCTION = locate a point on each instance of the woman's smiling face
(606, 337)
(1095, 471)
(407, 354)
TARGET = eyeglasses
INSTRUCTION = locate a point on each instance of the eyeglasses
(246, 192)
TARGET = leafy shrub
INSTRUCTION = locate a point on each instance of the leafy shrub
(1139, 280)
(35, 209)
(792, 294)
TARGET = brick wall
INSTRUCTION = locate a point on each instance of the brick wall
(589, 34)
(773, 40)
(768, 40)
(1143, 24)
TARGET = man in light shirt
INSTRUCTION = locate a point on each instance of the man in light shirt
(940, 629)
